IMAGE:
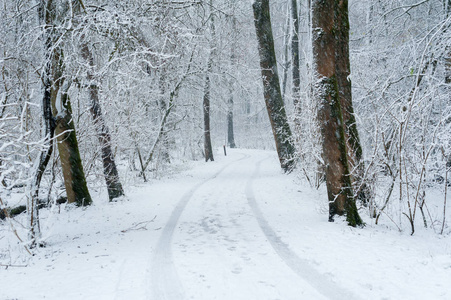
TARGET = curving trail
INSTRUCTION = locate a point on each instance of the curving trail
(165, 281)
(217, 242)
(298, 265)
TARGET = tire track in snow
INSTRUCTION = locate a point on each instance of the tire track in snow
(298, 265)
(165, 282)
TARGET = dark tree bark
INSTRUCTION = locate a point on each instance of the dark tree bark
(328, 16)
(343, 71)
(230, 132)
(208, 151)
(55, 85)
(110, 172)
(74, 176)
(295, 73)
(43, 158)
(447, 8)
(271, 87)
(206, 107)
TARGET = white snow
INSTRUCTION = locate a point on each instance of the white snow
(236, 228)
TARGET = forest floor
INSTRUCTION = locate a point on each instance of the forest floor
(236, 228)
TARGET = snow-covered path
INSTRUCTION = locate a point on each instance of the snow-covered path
(223, 243)
(236, 228)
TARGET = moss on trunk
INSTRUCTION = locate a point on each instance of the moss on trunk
(74, 176)
(271, 86)
(331, 92)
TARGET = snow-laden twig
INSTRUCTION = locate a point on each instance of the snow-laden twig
(139, 226)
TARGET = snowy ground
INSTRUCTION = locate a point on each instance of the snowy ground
(236, 228)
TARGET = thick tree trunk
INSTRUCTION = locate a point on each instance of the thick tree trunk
(326, 19)
(64, 129)
(343, 72)
(271, 87)
(74, 176)
(110, 172)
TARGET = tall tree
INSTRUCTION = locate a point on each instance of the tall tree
(114, 186)
(72, 168)
(286, 56)
(331, 31)
(43, 158)
(208, 151)
(343, 72)
(447, 8)
(295, 75)
(74, 176)
(230, 132)
(271, 86)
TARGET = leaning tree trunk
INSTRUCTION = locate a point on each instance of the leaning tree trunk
(72, 168)
(74, 176)
(271, 87)
(110, 172)
(208, 150)
(330, 111)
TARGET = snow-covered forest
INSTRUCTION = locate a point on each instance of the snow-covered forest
(225, 149)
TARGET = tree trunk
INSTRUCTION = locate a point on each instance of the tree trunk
(64, 128)
(208, 151)
(327, 18)
(206, 106)
(447, 7)
(295, 73)
(286, 62)
(43, 158)
(343, 72)
(230, 132)
(74, 176)
(271, 87)
(110, 172)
